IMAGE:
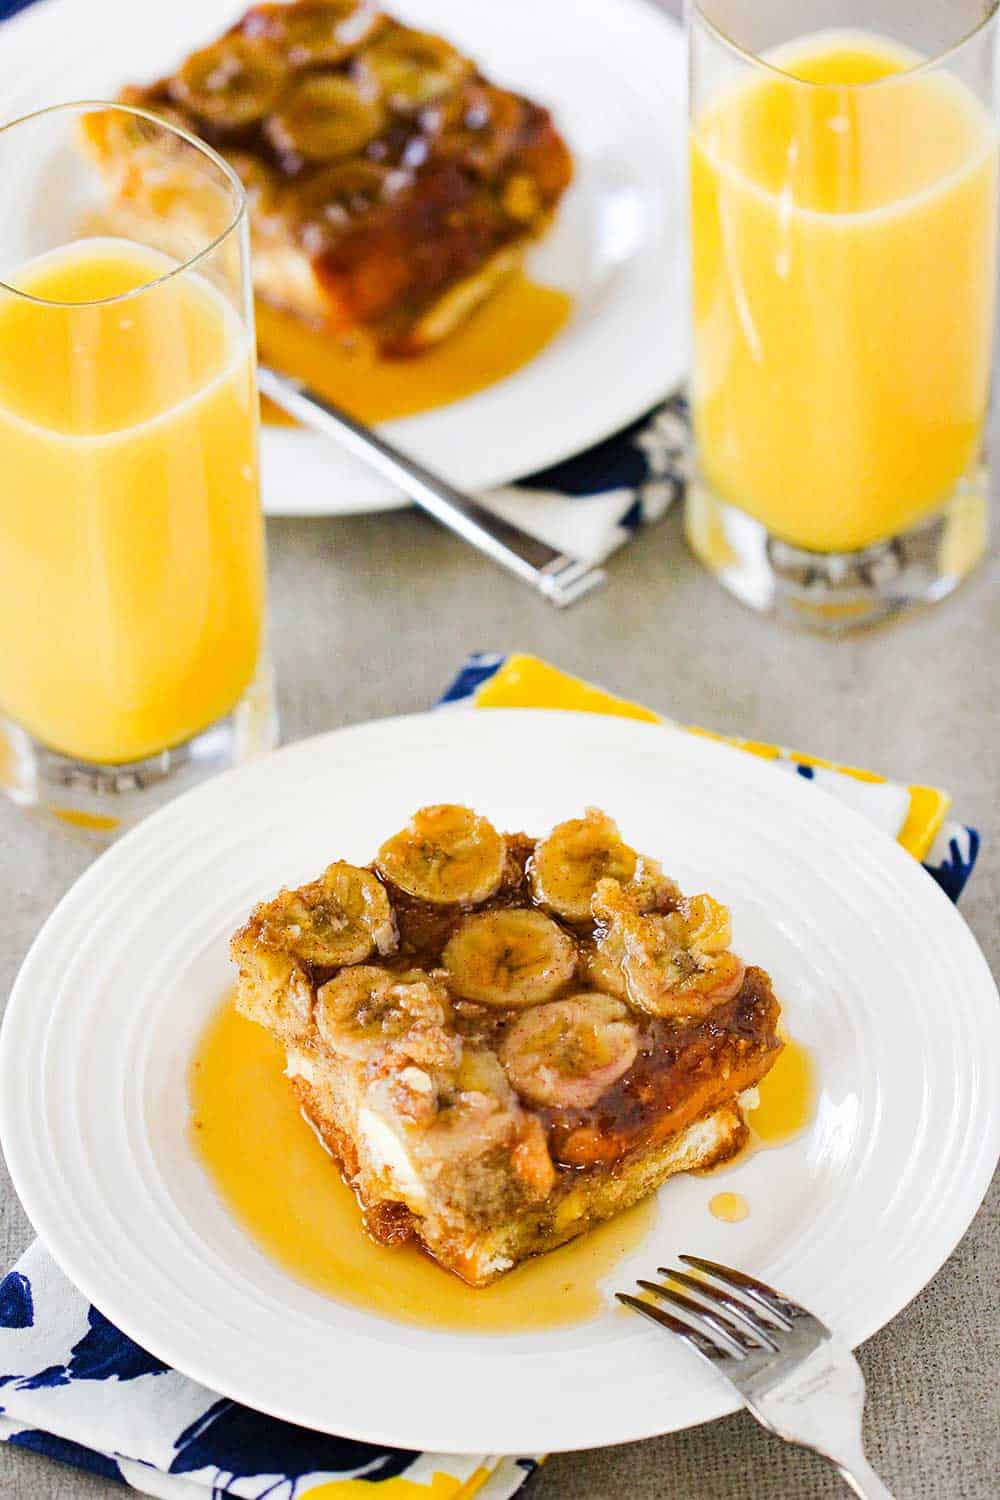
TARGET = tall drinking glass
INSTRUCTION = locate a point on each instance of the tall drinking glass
(843, 227)
(131, 540)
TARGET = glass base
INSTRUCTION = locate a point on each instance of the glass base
(103, 800)
(834, 592)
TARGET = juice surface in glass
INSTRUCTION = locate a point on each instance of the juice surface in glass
(131, 549)
(843, 241)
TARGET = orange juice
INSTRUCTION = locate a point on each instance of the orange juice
(131, 555)
(843, 239)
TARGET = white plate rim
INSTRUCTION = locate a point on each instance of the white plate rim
(16, 1122)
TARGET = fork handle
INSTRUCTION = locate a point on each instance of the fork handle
(562, 579)
(819, 1405)
(861, 1478)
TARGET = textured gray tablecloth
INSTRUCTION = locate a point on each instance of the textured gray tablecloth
(370, 617)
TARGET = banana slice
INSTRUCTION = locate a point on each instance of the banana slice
(447, 855)
(510, 958)
(566, 867)
(413, 68)
(324, 118)
(677, 964)
(568, 1053)
(366, 1012)
(232, 83)
(479, 125)
(651, 890)
(314, 31)
(332, 196)
(342, 918)
(601, 969)
(274, 989)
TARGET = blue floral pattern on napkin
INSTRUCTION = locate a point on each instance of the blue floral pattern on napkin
(152, 1429)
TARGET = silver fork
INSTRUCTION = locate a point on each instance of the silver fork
(796, 1378)
(562, 579)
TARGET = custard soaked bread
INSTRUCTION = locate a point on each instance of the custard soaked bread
(504, 1041)
(391, 186)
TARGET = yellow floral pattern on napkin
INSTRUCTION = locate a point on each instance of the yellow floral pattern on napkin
(528, 682)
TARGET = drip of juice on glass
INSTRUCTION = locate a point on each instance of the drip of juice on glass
(843, 249)
(131, 551)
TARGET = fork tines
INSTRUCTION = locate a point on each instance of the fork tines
(800, 1382)
(729, 1317)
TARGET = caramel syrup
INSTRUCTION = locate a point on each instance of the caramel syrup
(274, 1174)
(732, 1208)
(510, 328)
(787, 1104)
(787, 1097)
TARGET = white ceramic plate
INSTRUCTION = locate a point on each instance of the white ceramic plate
(879, 976)
(613, 73)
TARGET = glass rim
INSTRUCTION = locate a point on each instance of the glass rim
(926, 63)
(82, 106)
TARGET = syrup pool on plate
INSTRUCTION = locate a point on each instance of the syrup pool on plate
(500, 337)
(731, 1208)
(787, 1097)
(128, 449)
(786, 1102)
(273, 1173)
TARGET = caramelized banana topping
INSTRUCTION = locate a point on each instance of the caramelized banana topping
(413, 68)
(566, 866)
(341, 918)
(314, 31)
(478, 125)
(568, 1053)
(332, 196)
(510, 957)
(675, 965)
(325, 117)
(446, 855)
(232, 83)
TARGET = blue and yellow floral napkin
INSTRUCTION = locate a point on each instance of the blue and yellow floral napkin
(591, 504)
(73, 1387)
(916, 816)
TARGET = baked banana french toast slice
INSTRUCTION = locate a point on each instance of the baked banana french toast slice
(503, 1041)
(391, 185)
